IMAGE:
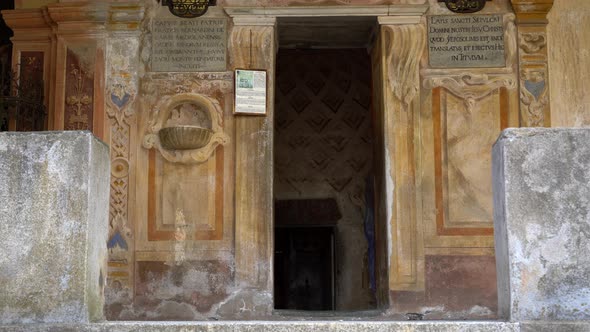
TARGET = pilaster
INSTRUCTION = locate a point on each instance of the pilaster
(531, 20)
(122, 49)
(253, 46)
(402, 45)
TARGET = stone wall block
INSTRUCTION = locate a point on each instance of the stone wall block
(541, 183)
(54, 203)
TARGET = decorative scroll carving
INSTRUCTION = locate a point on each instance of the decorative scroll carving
(510, 40)
(162, 113)
(405, 44)
(471, 87)
(534, 76)
(121, 75)
(533, 96)
(402, 50)
(532, 42)
(170, 84)
(79, 94)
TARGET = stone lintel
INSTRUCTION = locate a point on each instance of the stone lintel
(328, 11)
(254, 21)
(395, 20)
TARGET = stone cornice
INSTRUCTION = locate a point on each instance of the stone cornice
(125, 16)
(79, 18)
(531, 11)
(28, 24)
(327, 11)
(74, 18)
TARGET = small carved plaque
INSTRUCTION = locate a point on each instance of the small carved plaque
(466, 41)
(181, 45)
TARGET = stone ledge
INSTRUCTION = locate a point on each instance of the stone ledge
(268, 326)
(303, 326)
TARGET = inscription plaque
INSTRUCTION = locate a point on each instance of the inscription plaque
(466, 41)
(189, 45)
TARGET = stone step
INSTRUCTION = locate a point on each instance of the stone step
(304, 326)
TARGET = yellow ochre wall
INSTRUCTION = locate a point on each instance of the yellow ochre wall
(568, 37)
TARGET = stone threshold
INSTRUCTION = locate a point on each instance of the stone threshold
(304, 326)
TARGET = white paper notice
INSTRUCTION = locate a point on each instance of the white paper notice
(250, 91)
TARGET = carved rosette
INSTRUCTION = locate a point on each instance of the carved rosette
(161, 115)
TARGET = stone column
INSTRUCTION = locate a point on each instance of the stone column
(252, 45)
(531, 20)
(541, 180)
(53, 222)
(402, 45)
(122, 67)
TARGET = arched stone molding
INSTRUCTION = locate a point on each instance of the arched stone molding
(162, 113)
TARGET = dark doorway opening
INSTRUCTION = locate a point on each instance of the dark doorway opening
(324, 211)
(304, 268)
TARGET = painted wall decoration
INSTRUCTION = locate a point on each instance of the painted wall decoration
(79, 93)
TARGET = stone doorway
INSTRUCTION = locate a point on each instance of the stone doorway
(323, 148)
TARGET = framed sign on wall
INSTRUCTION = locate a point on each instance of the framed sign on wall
(250, 92)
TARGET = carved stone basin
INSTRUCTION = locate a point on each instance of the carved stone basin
(184, 137)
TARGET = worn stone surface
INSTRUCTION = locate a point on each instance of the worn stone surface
(296, 325)
(542, 223)
(53, 221)
(268, 326)
(457, 287)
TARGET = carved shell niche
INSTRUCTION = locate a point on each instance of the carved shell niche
(185, 128)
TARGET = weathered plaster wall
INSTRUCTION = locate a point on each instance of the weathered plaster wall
(171, 249)
(568, 43)
(456, 287)
(484, 99)
(461, 113)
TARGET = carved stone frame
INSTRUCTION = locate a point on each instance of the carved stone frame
(161, 113)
